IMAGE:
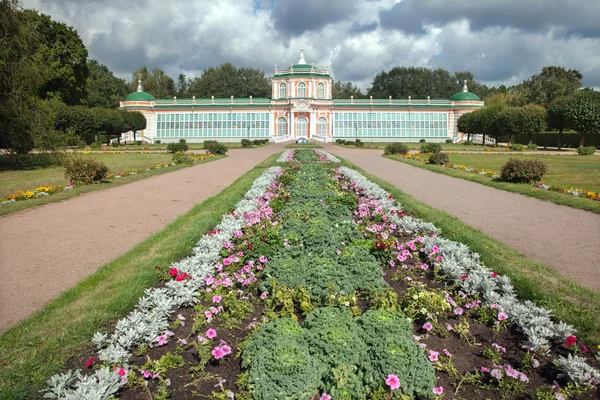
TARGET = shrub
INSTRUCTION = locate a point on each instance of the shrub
(96, 146)
(532, 146)
(396, 148)
(449, 141)
(438, 159)
(516, 147)
(338, 141)
(422, 140)
(175, 147)
(431, 148)
(246, 143)
(85, 170)
(586, 151)
(214, 147)
(157, 141)
(81, 144)
(257, 142)
(522, 171)
(467, 143)
(359, 143)
(115, 144)
(138, 142)
(182, 141)
(181, 158)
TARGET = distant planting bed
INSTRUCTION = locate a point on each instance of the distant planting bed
(319, 286)
(303, 146)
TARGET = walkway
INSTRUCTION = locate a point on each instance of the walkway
(560, 237)
(48, 249)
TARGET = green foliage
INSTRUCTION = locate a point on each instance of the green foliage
(96, 146)
(420, 303)
(177, 147)
(550, 84)
(522, 171)
(422, 140)
(465, 124)
(516, 147)
(583, 112)
(155, 82)
(586, 151)
(532, 119)
(306, 156)
(345, 90)
(431, 148)
(509, 121)
(467, 143)
(226, 80)
(396, 148)
(181, 158)
(102, 87)
(214, 147)
(532, 146)
(438, 159)
(165, 363)
(448, 141)
(246, 143)
(85, 170)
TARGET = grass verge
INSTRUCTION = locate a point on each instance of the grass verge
(569, 301)
(303, 146)
(114, 182)
(525, 189)
(43, 344)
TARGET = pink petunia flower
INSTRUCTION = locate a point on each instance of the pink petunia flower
(447, 353)
(211, 333)
(162, 340)
(90, 362)
(427, 326)
(433, 355)
(449, 327)
(393, 382)
(218, 353)
(502, 316)
(207, 314)
(226, 349)
(458, 311)
(438, 390)
(217, 299)
(325, 396)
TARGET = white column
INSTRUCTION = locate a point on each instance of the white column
(310, 87)
(291, 118)
(313, 124)
(292, 91)
(272, 124)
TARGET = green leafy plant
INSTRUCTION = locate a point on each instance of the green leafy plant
(532, 146)
(181, 158)
(522, 171)
(175, 147)
(246, 143)
(81, 170)
(431, 148)
(516, 147)
(586, 151)
(438, 159)
(396, 148)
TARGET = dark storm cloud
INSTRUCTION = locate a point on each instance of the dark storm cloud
(362, 28)
(293, 17)
(562, 17)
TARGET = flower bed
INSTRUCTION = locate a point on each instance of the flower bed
(325, 288)
(307, 156)
(41, 191)
(494, 175)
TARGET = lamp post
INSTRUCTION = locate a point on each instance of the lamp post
(409, 127)
(248, 132)
(355, 132)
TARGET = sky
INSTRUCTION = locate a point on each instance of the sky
(499, 41)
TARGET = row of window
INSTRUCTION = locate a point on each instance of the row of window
(402, 124)
(301, 126)
(283, 90)
(180, 125)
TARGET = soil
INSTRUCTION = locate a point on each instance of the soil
(563, 238)
(49, 249)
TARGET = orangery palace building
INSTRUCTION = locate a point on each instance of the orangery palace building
(301, 105)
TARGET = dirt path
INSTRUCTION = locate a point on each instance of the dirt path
(43, 250)
(560, 237)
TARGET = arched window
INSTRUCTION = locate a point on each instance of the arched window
(322, 126)
(281, 126)
(302, 89)
(301, 127)
(282, 91)
(320, 91)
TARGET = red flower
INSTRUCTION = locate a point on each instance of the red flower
(463, 278)
(250, 246)
(571, 340)
(583, 348)
(90, 362)
(173, 272)
(390, 197)
(494, 275)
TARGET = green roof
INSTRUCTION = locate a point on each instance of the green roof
(139, 96)
(302, 66)
(465, 96)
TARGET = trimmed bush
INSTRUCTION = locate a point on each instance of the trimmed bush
(175, 147)
(96, 146)
(214, 147)
(523, 171)
(359, 143)
(422, 140)
(438, 159)
(467, 143)
(396, 148)
(115, 144)
(85, 170)
(157, 141)
(516, 147)
(246, 143)
(532, 146)
(181, 158)
(449, 141)
(258, 142)
(586, 151)
(182, 141)
(431, 148)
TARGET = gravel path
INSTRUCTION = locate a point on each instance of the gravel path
(563, 238)
(43, 251)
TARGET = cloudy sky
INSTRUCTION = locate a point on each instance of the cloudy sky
(501, 42)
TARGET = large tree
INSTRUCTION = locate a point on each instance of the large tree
(583, 113)
(182, 86)
(508, 122)
(465, 124)
(157, 82)
(254, 83)
(226, 81)
(22, 72)
(557, 117)
(65, 55)
(532, 120)
(103, 88)
(550, 84)
(344, 90)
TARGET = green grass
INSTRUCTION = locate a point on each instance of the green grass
(569, 301)
(446, 147)
(39, 175)
(62, 331)
(192, 146)
(303, 146)
(522, 188)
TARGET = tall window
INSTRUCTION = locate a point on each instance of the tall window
(302, 89)
(282, 91)
(322, 126)
(320, 91)
(301, 127)
(281, 126)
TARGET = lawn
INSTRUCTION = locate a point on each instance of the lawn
(303, 146)
(163, 146)
(449, 147)
(53, 339)
(37, 173)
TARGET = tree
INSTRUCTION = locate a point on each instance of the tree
(557, 117)
(157, 83)
(532, 120)
(65, 55)
(465, 124)
(139, 122)
(254, 83)
(22, 72)
(222, 81)
(182, 87)
(109, 121)
(508, 122)
(484, 121)
(550, 84)
(583, 113)
(77, 119)
(103, 88)
(345, 90)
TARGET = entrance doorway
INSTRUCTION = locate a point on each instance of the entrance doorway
(301, 127)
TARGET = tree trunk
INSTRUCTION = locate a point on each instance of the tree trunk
(468, 137)
(560, 139)
(483, 139)
(581, 139)
(134, 139)
(107, 139)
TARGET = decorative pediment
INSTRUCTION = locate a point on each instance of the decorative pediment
(302, 105)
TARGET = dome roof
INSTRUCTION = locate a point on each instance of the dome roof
(140, 95)
(465, 95)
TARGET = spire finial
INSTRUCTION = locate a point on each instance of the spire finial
(139, 89)
(465, 89)
(302, 60)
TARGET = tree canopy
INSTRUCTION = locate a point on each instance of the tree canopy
(103, 88)
(550, 84)
(344, 90)
(156, 82)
